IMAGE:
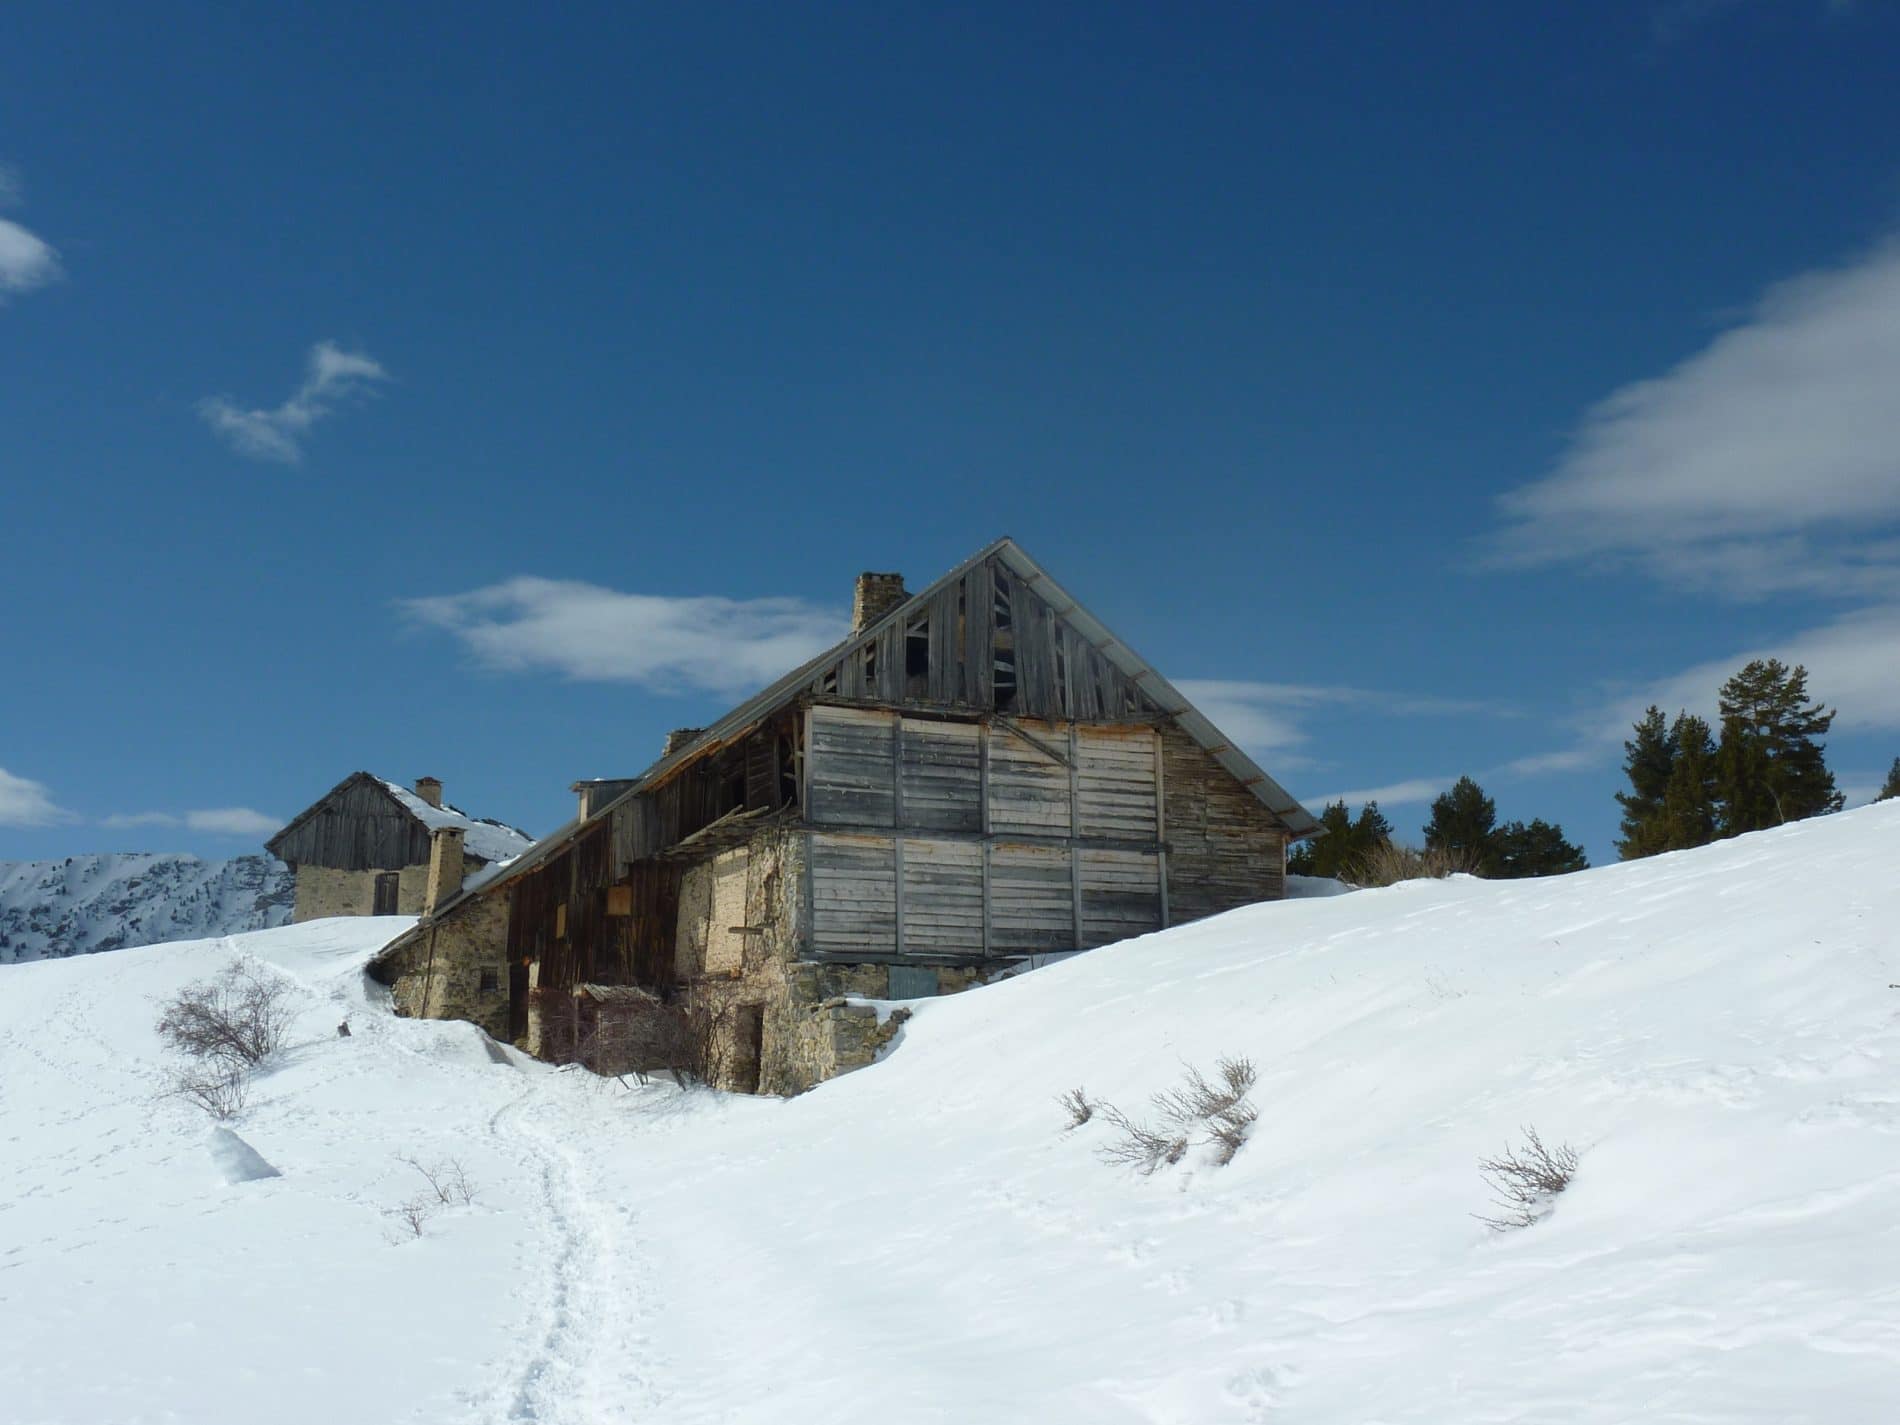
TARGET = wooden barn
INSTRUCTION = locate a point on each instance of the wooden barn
(980, 773)
(365, 847)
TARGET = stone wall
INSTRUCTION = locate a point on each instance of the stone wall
(737, 958)
(325, 891)
(456, 967)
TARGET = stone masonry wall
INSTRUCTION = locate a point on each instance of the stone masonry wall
(324, 891)
(457, 968)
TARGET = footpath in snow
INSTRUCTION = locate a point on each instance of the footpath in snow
(1714, 1031)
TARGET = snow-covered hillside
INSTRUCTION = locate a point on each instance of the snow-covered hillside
(1715, 1031)
(107, 902)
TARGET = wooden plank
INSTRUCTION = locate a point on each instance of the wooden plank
(1075, 858)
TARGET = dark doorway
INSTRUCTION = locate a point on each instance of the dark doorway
(748, 1047)
(388, 883)
(517, 1001)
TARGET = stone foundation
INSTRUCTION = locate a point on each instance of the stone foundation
(455, 968)
(323, 891)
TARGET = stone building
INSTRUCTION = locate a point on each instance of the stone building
(979, 774)
(366, 847)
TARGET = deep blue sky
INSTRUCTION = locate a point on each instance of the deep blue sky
(1244, 320)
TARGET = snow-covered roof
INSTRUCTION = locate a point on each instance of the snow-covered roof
(490, 840)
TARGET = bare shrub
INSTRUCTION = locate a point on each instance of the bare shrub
(1142, 1147)
(1526, 1181)
(1076, 1104)
(220, 1087)
(239, 1017)
(412, 1216)
(1390, 862)
(449, 1184)
(1218, 1110)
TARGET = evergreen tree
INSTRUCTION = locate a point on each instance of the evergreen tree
(1689, 815)
(1536, 848)
(1649, 759)
(1343, 841)
(1891, 787)
(1464, 822)
(1769, 764)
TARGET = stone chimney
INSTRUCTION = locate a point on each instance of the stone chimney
(876, 595)
(678, 738)
(445, 867)
(430, 790)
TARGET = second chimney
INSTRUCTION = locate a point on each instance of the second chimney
(445, 867)
(678, 738)
(875, 596)
(430, 790)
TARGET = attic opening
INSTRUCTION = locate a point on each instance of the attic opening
(1003, 677)
(917, 658)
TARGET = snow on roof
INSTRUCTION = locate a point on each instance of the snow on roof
(491, 840)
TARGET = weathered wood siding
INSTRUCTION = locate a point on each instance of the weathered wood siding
(358, 827)
(1224, 848)
(985, 642)
(854, 895)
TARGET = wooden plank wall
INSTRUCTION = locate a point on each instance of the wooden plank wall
(358, 827)
(1224, 848)
(985, 642)
(963, 840)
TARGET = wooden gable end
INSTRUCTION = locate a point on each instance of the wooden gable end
(985, 641)
(359, 826)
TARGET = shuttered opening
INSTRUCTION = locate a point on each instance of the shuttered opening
(988, 852)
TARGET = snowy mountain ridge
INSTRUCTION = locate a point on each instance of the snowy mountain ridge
(82, 904)
(929, 1239)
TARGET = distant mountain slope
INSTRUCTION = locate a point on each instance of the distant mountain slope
(82, 904)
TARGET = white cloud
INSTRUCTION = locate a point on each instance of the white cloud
(1267, 718)
(1853, 666)
(1767, 462)
(27, 803)
(586, 632)
(331, 375)
(1417, 789)
(26, 259)
(214, 821)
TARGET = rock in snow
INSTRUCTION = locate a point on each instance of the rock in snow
(50, 909)
(1714, 1031)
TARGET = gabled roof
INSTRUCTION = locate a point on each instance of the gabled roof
(1298, 821)
(482, 837)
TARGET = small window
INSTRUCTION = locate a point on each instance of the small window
(491, 982)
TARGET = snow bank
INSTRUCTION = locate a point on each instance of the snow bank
(1713, 1030)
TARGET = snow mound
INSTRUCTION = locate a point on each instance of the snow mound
(1714, 1031)
(236, 1160)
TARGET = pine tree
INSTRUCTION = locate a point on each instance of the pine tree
(1319, 855)
(1689, 814)
(1344, 841)
(1648, 760)
(1891, 787)
(1537, 848)
(1464, 822)
(1769, 763)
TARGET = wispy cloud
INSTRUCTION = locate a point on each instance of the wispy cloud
(332, 376)
(27, 803)
(586, 632)
(215, 821)
(1395, 794)
(1851, 663)
(1768, 462)
(27, 260)
(1270, 717)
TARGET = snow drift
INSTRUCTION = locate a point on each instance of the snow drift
(1714, 1031)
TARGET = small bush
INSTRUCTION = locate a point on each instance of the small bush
(1390, 862)
(220, 1088)
(240, 1017)
(449, 1185)
(411, 1217)
(1526, 1181)
(1218, 1109)
(1076, 1104)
